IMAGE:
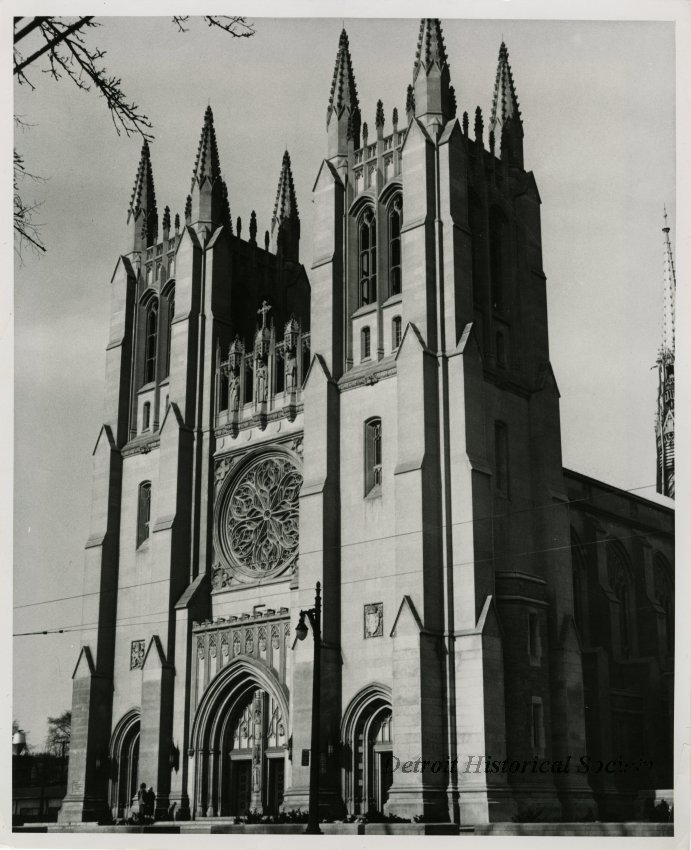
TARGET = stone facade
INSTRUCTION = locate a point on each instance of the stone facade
(389, 428)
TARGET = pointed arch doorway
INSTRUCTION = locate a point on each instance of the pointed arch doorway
(366, 731)
(240, 743)
(124, 764)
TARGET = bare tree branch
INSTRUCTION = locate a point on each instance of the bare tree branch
(68, 55)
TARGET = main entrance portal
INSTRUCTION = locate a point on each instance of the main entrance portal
(240, 735)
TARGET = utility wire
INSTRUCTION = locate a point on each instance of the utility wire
(147, 617)
(427, 528)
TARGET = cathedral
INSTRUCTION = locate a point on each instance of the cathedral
(384, 424)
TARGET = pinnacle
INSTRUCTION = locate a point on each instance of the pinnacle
(286, 204)
(504, 101)
(430, 46)
(207, 165)
(343, 89)
(143, 194)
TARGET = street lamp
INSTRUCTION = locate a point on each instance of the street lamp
(314, 617)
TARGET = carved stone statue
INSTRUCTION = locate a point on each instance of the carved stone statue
(291, 371)
(262, 381)
(234, 393)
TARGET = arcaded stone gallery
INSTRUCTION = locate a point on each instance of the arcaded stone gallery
(385, 423)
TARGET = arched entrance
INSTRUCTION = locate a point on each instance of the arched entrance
(240, 743)
(367, 737)
(124, 764)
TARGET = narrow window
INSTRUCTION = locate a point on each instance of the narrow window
(624, 621)
(498, 262)
(501, 458)
(534, 647)
(364, 344)
(501, 350)
(395, 222)
(146, 416)
(151, 341)
(368, 258)
(395, 332)
(373, 456)
(169, 328)
(536, 727)
(143, 512)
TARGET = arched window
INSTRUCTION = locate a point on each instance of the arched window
(373, 456)
(143, 512)
(365, 345)
(151, 341)
(664, 593)
(619, 577)
(169, 327)
(146, 416)
(395, 332)
(580, 586)
(501, 458)
(499, 266)
(368, 257)
(395, 222)
(501, 350)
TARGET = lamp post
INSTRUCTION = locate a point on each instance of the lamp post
(314, 617)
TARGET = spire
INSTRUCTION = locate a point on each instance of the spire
(664, 424)
(670, 293)
(142, 210)
(430, 46)
(506, 115)
(285, 222)
(206, 165)
(343, 100)
(431, 75)
(207, 190)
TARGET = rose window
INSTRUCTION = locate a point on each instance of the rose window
(258, 523)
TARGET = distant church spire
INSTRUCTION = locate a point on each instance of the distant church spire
(285, 222)
(505, 120)
(343, 102)
(431, 75)
(209, 201)
(664, 422)
(142, 214)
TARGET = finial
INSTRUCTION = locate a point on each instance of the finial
(452, 102)
(253, 227)
(479, 125)
(379, 117)
(365, 133)
(465, 123)
(239, 227)
(394, 118)
(665, 229)
(410, 102)
(166, 219)
(177, 222)
(491, 142)
(188, 209)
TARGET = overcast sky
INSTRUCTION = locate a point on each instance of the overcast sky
(597, 101)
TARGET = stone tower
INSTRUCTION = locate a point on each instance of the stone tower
(389, 429)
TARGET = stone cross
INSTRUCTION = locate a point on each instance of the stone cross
(264, 309)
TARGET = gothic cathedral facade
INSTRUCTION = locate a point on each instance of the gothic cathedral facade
(386, 425)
